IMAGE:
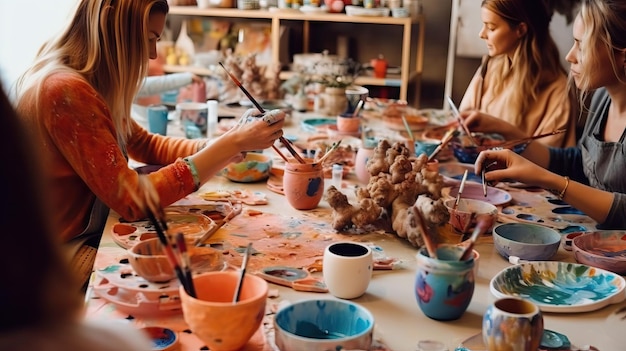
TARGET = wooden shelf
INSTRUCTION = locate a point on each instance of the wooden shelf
(408, 72)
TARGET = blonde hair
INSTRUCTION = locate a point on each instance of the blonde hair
(105, 43)
(536, 61)
(605, 24)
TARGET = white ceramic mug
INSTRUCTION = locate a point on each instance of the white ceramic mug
(347, 269)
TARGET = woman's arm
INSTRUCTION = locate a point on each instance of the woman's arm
(595, 203)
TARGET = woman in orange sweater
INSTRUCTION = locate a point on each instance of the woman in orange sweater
(77, 98)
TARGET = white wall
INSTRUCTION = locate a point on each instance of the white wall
(24, 26)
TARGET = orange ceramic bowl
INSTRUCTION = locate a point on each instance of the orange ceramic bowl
(255, 167)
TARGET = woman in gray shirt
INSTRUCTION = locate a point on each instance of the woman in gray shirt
(592, 175)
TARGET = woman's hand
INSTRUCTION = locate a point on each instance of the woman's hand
(257, 131)
(477, 121)
(505, 165)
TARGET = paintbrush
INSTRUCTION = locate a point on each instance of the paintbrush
(329, 152)
(408, 128)
(457, 115)
(514, 143)
(461, 187)
(244, 265)
(482, 224)
(256, 104)
(429, 241)
(169, 253)
(357, 109)
(199, 241)
(444, 141)
(186, 263)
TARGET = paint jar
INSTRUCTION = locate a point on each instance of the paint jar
(303, 184)
(337, 175)
(444, 286)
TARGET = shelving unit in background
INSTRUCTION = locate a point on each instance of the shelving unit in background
(411, 51)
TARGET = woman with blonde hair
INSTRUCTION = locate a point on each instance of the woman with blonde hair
(521, 81)
(590, 176)
(77, 98)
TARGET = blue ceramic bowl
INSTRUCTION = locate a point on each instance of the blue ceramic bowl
(604, 249)
(531, 242)
(323, 324)
(467, 153)
(426, 146)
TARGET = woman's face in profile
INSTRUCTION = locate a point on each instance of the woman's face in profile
(156, 24)
(601, 73)
(500, 38)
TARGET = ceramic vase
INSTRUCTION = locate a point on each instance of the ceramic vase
(512, 324)
(303, 184)
(334, 101)
(444, 286)
(362, 157)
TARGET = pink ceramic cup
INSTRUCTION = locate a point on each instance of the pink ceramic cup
(215, 319)
(348, 124)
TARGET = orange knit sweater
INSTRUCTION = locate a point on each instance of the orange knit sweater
(78, 144)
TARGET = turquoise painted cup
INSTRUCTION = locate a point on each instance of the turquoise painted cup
(444, 286)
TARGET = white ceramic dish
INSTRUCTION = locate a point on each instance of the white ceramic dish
(560, 286)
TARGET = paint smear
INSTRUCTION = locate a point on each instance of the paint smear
(567, 210)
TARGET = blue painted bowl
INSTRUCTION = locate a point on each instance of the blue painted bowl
(467, 153)
(426, 146)
(323, 324)
(531, 242)
(444, 286)
(255, 167)
(604, 249)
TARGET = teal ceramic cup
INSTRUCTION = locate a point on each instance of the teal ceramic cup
(444, 285)
(157, 119)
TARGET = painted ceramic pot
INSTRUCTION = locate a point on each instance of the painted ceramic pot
(512, 324)
(215, 319)
(362, 156)
(444, 285)
(303, 184)
(348, 124)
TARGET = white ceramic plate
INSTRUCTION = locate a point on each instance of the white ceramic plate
(560, 286)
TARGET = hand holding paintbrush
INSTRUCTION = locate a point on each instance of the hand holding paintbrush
(256, 104)
(459, 119)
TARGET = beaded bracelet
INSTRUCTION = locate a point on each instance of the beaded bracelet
(561, 194)
(193, 170)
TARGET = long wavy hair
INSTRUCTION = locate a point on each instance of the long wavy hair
(536, 61)
(605, 24)
(106, 43)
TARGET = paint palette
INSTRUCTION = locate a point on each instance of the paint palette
(192, 225)
(541, 207)
(560, 286)
(118, 284)
(473, 190)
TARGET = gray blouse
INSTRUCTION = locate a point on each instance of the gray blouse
(595, 162)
